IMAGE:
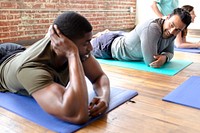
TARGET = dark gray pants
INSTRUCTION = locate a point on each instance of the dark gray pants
(102, 45)
(7, 49)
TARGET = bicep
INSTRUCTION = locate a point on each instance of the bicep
(50, 98)
(58, 100)
(39, 83)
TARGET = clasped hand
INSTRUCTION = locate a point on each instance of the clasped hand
(97, 106)
(62, 45)
(160, 60)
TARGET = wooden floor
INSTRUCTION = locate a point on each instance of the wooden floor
(149, 114)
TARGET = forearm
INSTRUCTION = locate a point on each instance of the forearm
(156, 10)
(188, 45)
(102, 87)
(76, 73)
(158, 13)
(76, 96)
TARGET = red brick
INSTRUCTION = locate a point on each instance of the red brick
(34, 23)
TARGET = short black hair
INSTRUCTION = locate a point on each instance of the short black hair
(73, 25)
(183, 14)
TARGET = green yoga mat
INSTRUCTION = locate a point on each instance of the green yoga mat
(170, 68)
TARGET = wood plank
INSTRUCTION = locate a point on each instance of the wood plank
(147, 113)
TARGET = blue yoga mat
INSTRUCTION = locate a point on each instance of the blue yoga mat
(190, 50)
(187, 93)
(29, 109)
(170, 68)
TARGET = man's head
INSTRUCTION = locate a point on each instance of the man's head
(73, 25)
(77, 28)
(176, 22)
(190, 9)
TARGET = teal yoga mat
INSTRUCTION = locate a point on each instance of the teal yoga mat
(170, 68)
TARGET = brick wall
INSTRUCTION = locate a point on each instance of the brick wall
(30, 19)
